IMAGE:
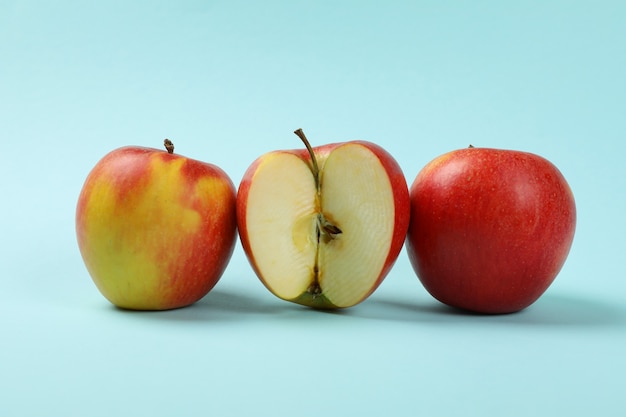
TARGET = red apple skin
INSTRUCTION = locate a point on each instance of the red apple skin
(490, 229)
(168, 218)
(398, 184)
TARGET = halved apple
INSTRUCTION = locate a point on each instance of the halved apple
(323, 226)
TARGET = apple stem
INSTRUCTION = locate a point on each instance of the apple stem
(315, 168)
(168, 145)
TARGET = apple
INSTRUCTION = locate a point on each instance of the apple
(323, 226)
(490, 228)
(155, 229)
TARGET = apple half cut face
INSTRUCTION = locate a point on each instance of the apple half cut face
(322, 228)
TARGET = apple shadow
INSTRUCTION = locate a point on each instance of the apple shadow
(217, 305)
(570, 310)
(226, 305)
(551, 310)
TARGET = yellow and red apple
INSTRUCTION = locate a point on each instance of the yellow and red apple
(155, 229)
(323, 226)
(490, 228)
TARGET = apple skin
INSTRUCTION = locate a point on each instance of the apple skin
(490, 229)
(155, 230)
(401, 213)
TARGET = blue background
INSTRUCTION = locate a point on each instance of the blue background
(230, 80)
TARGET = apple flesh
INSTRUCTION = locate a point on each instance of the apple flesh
(322, 226)
(490, 229)
(155, 229)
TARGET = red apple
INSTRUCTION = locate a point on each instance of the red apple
(323, 226)
(155, 229)
(490, 229)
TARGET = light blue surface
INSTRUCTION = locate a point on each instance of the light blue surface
(230, 80)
